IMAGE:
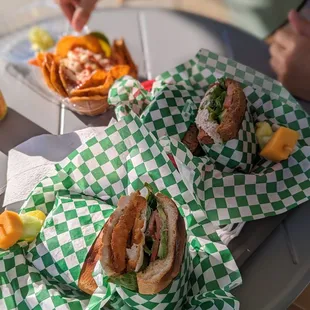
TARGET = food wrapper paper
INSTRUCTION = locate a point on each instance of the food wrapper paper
(79, 199)
(232, 182)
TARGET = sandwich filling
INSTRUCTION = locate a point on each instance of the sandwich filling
(139, 237)
(212, 109)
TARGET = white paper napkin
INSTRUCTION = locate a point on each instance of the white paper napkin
(34, 159)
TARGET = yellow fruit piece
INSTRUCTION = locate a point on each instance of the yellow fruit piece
(33, 222)
(263, 133)
(11, 229)
(3, 107)
(281, 145)
(40, 39)
(106, 48)
(37, 214)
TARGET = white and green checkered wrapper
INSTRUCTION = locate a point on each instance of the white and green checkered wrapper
(79, 199)
(231, 181)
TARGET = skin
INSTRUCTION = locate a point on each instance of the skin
(290, 55)
(77, 11)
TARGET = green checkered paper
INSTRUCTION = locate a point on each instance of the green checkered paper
(79, 199)
(232, 182)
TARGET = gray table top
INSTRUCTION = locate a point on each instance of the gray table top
(155, 47)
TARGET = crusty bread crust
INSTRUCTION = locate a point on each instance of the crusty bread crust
(106, 258)
(86, 281)
(232, 120)
(160, 273)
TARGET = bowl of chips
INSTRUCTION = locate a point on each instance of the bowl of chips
(81, 70)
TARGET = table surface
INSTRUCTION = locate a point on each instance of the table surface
(155, 47)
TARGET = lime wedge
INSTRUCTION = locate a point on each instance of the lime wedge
(40, 39)
(106, 48)
(100, 36)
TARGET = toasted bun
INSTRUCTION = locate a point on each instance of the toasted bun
(86, 281)
(160, 273)
(231, 123)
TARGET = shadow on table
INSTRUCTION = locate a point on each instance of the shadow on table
(52, 148)
(97, 121)
(22, 128)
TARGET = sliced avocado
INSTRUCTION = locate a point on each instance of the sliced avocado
(163, 246)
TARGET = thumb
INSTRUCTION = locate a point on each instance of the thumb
(300, 24)
(80, 18)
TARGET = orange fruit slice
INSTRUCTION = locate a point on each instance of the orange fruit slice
(3, 107)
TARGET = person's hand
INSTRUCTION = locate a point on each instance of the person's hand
(290, 56)
(77, 11)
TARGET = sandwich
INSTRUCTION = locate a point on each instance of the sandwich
(140, 247)
(221, 112)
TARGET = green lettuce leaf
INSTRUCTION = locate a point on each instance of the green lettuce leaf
(150, 198)
(127, 280)
(221, 81)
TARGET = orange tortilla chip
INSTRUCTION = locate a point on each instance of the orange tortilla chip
(99, 77)
(48, 59)
(34, 62)
(47, 76)
(121, 56)
(68, 43)
(96, 79)
(119, 71)
(55, 79)
(38, 61)
(101, 90)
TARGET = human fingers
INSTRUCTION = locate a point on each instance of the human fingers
(67, 8)
(299, 23)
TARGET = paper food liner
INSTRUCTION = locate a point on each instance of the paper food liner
(79, 199)
(232, 182)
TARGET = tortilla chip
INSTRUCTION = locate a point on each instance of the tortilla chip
(121, 56)
(47, 76)
(38, 61)
(119, 71)
(91, 106)
(67, 83)
(68, 43)
(48, 59)
(101, 90)
(96, 79)
(55, 79)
